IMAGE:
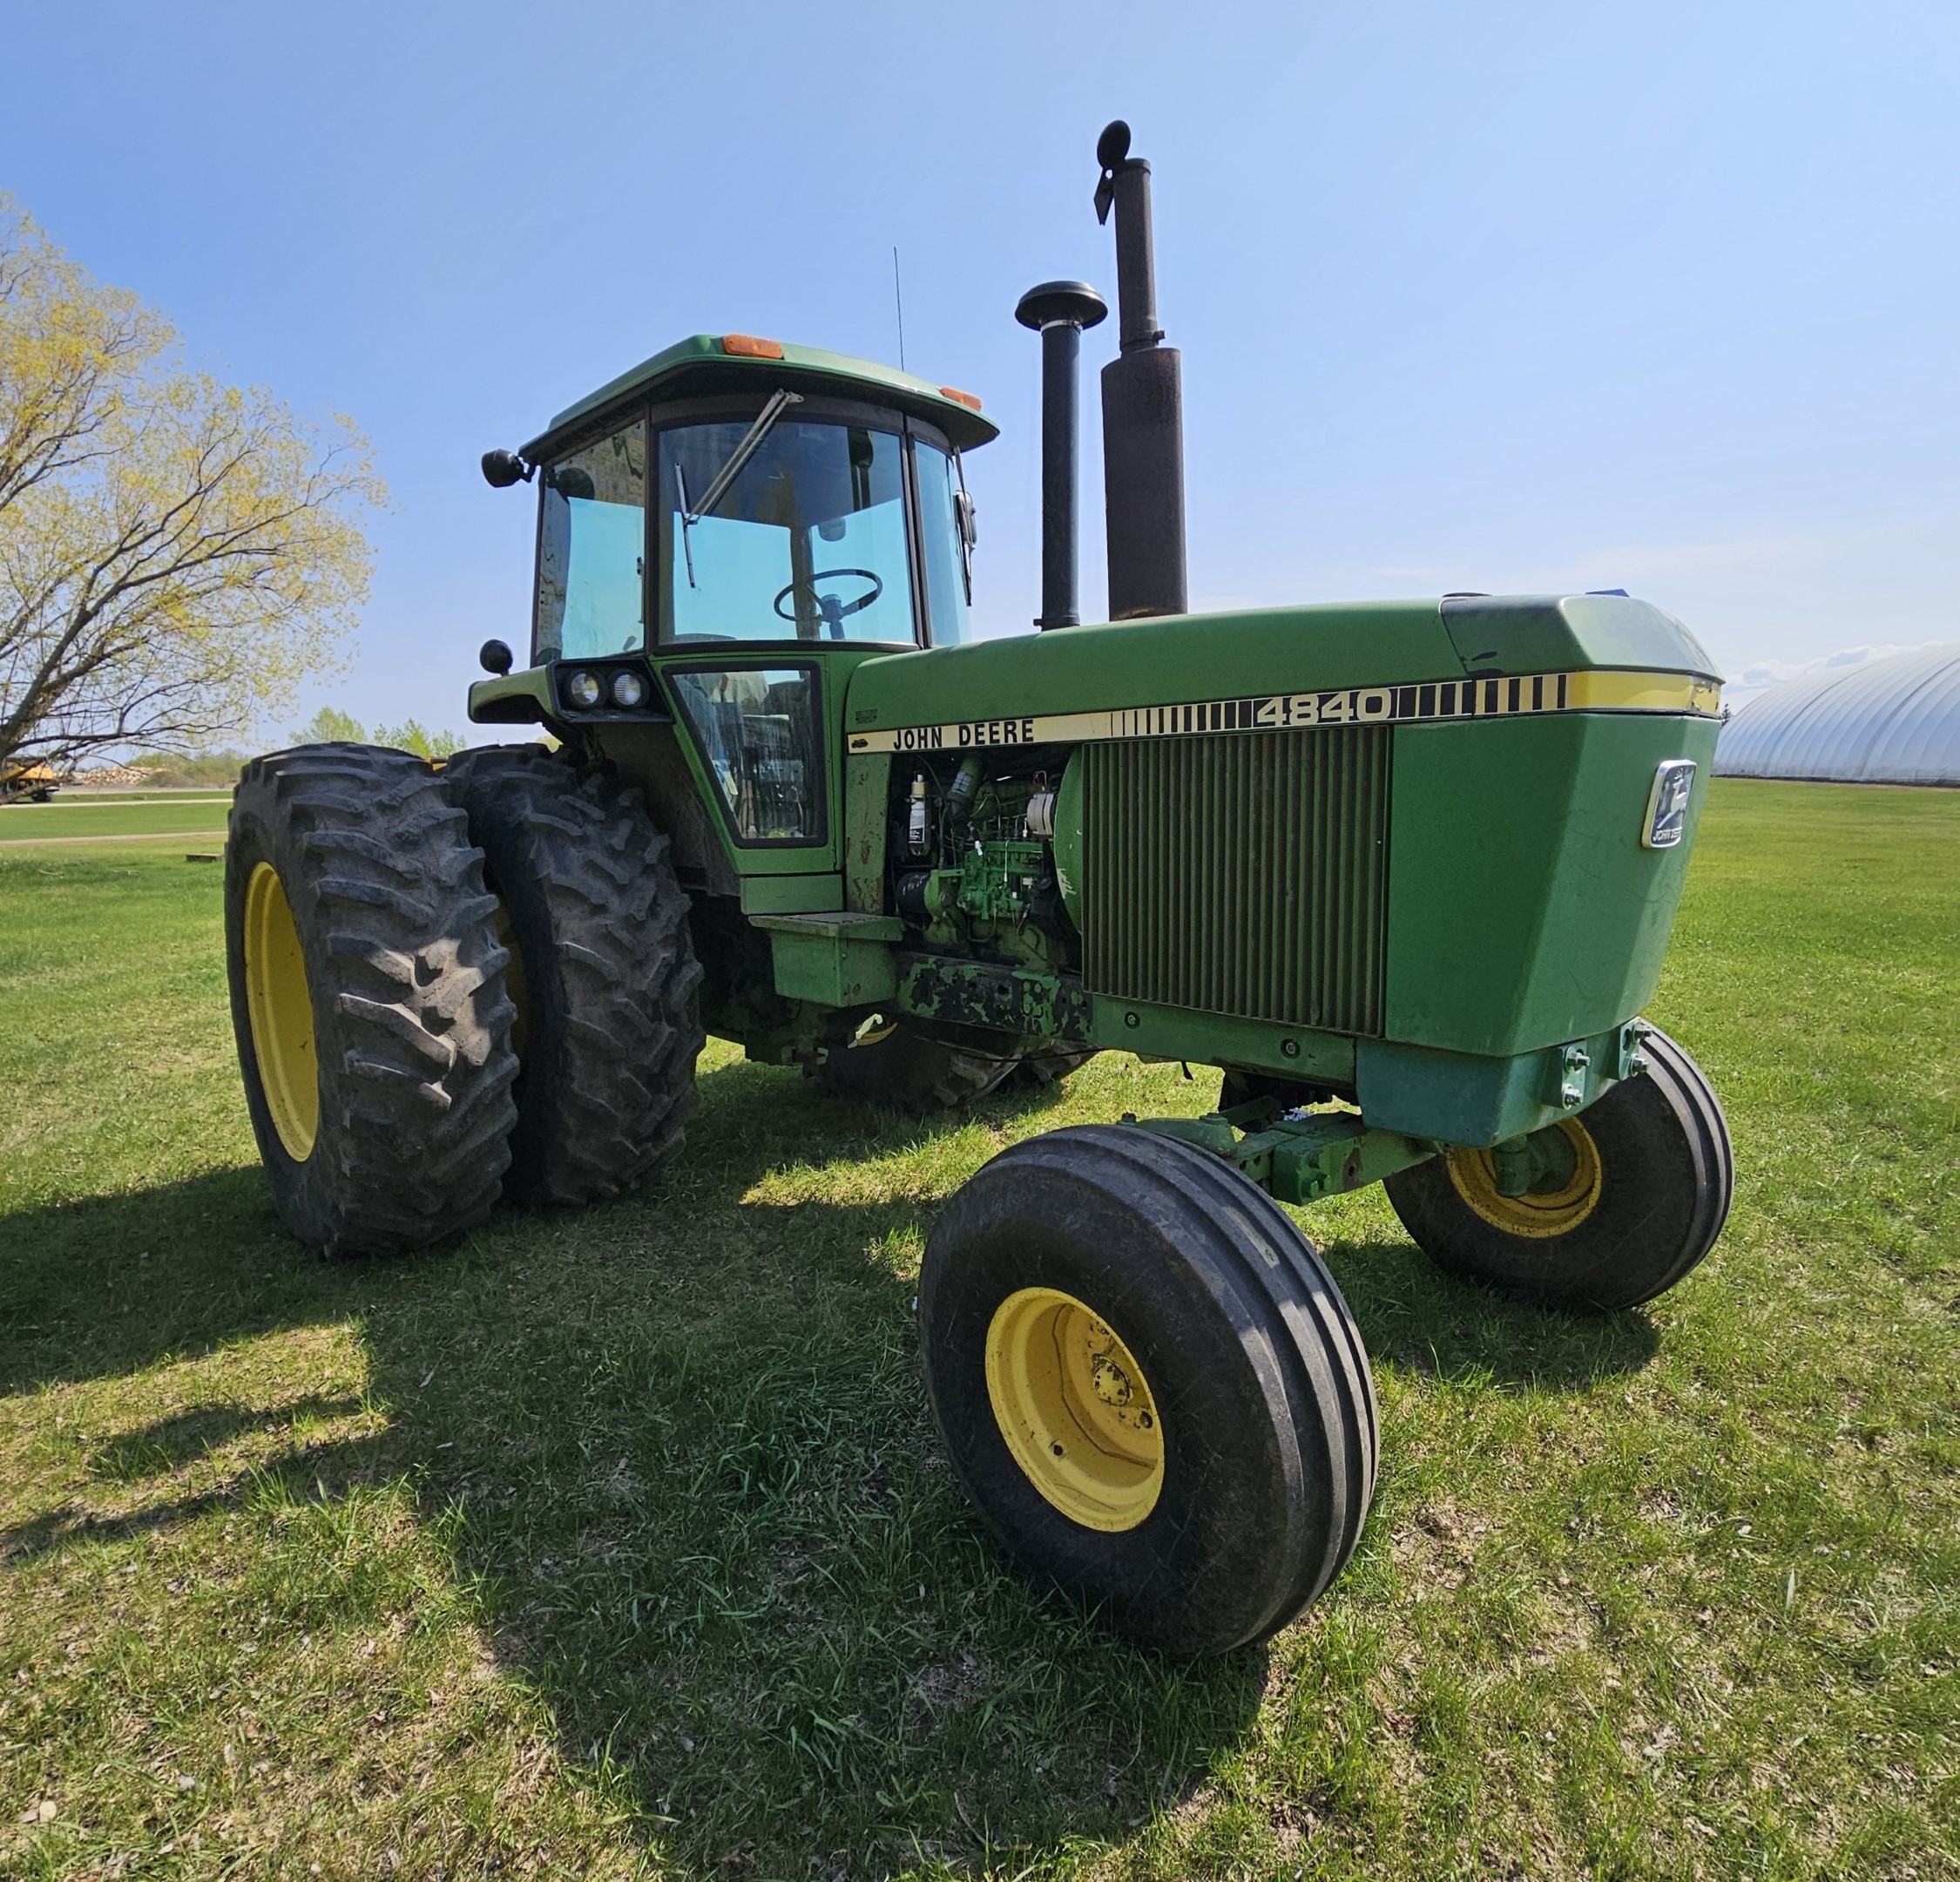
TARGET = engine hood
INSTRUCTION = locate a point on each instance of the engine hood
(1356, 662)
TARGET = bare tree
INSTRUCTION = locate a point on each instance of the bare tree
(175, 553)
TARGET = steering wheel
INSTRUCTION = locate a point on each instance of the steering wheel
(834, 611)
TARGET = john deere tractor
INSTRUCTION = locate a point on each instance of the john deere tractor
(1403, 871)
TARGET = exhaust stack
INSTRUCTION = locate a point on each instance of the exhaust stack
(1143, 407)
(1058, 311)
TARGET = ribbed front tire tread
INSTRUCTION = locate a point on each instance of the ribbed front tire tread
(1268, 1414)
(1668, 1179)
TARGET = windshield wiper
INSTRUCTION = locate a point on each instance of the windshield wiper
(780, 402)
(687, 520)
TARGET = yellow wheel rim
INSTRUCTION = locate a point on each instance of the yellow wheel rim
(1538, 1216)
(280, 1006)
(1075, 1409)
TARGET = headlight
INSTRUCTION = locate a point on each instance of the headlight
(628, 689)
(583, 688)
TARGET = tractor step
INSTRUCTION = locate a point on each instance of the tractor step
(842, 926)
(841, 958)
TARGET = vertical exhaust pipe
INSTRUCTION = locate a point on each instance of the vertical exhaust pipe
(1058, 311)
(1143, 407)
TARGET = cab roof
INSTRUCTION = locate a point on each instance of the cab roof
(705, 364)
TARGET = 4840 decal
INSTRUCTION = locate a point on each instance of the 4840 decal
(1489, 697)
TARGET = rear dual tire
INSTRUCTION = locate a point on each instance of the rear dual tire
(368, 998)
(1149, 1385)
(603, 969)
(396, 1088)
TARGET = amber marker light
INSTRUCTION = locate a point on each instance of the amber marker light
(970, 400)
(747, 346)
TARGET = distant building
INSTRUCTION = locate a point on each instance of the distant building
(1886, 721)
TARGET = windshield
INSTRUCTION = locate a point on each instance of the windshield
(808, 542)
(591, 540)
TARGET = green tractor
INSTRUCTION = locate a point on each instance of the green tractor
(1403, 871)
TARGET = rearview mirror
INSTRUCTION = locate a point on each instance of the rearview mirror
(962, 512)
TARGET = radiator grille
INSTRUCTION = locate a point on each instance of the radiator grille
(1244, 873)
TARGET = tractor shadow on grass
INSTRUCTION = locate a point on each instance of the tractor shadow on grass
(700, 1490)
(701, 1493)
(112, 1284)
(691, 1436)
(163, 1453)
(1415, 1317)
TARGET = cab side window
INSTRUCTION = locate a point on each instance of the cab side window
(591, 549)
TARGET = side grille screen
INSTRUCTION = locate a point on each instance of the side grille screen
(1244, 873)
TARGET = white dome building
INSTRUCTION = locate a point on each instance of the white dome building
(1886, 721)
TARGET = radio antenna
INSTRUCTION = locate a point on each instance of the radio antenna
(898, 301)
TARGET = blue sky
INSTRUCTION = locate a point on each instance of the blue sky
(1510, 296)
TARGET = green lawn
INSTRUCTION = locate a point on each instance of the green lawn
(66, 816)
(618, 1543)
(99, 794)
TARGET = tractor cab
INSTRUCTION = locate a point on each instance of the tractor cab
(721, 534)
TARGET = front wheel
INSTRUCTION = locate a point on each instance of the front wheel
(1149, 1385)
(1632, 1195)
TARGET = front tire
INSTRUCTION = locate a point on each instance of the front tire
(607, 982)
(1638, 1197)
(368, 998)
(1149, 1385)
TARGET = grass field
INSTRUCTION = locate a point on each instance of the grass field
(101, 794)
(98, 819)
(617, 1544)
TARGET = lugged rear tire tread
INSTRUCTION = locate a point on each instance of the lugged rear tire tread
(612, 1027)
(412, 1022)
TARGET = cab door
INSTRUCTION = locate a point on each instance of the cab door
(769, 584)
